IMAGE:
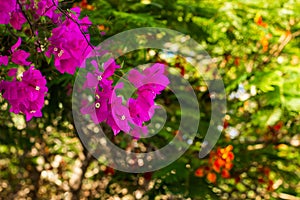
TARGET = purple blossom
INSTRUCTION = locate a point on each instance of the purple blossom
(47, 8)
(6, 6)
(17, 20)
(139, 111)
(101, 78)
(19, 57)
(68, 44)
(119, 118)
(153, 77)
(26, 95)
(137, 131)
(12, 72)
(149, 83)
(98, 110)
(109, 108)
(4, 60)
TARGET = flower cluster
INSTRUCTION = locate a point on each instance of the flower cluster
(26, 92)
(46, 8)
(220, 161)
(68, 44)
(149, 83)
(10, 13)
(109, 108)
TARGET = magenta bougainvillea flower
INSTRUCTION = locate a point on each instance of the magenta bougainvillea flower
(6, 7)
(17, 19)
(153, 77)
(4, 60)
(139, 110)
(98, 110)
(137, 131)
(48, 8)
(108, 107)
(25, 95)
(10, 13)
(119, 118)
(149, 83)
(68, 45)
(19, 57)
(101, 78)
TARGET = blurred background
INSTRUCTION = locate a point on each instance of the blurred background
(254, 45)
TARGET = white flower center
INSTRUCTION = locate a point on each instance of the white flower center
(99, 78)
(123, 117)
(37, 88)
(97, 105)
(60, 53)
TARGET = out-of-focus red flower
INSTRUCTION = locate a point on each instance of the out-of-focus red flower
(148, 176)
(237, 179)
(226, 124)
(211, 177)
(218, 164)
(259, 21)
(109, 171)
(228, 166)
(261, 180)
(270, 185)
(84, 5)
(220, 161)
(225, 173)
(237, 61)
(276, 127)
(199, 172)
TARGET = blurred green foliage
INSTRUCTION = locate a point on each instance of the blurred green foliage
(254, 44)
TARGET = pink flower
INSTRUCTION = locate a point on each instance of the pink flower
(149, 83)
(6, 6)
(109, 108)
(119, 118)
(137, 131)
(17, 20)
(99, 109)
(19, 57)
(139, 110)
(47, 8)
(27, 95)
(68, 45)
(101, 78)
(3, 60)
(153, 77)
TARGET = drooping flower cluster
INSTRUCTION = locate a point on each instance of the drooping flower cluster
(25, 93)
(109, 108)
(149, 83)
(68, 44)
(220, 161)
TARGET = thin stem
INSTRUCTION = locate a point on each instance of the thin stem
(26, 17)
